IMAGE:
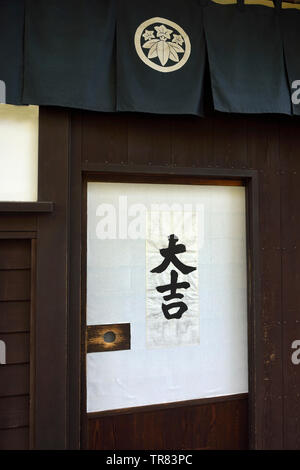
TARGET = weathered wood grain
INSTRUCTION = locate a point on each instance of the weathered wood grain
(221, 425)
(118, 337)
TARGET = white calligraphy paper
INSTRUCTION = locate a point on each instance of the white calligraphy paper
(161, 331)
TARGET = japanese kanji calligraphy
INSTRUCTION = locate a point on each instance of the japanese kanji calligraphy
(170, 257)
(172, 281)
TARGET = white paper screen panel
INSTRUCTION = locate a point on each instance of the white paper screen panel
(212, 361)
(18, 152)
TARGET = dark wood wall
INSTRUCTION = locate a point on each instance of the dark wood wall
(18, 234)
(15, 286)
(16, 283)
(73, 144)
(270, 145)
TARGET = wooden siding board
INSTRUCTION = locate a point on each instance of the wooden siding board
(14, 317)
(14, 285)
(17, 347)
(15, 294)
(14, 439)
(13, 223)
(14, 380)
(14, 412)
(15, 254)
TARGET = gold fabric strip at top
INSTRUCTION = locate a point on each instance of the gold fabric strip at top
(266, 3)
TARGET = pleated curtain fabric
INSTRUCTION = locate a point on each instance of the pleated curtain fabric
(290, 23)
(246, 59)
(11, 50)
(164, 57)
(161, 57)
(70, 53)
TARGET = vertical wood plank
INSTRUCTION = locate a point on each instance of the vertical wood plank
(32, 374)
(149, 140)
(192, 142)
(290, 227)
(263, 155)
(75, 274)
(230, 142)
(104, 138)
(52, 282)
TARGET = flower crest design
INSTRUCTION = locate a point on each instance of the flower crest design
(178, 39)
(162, 44)
(148, 35)
(162, 32)
(160, 47)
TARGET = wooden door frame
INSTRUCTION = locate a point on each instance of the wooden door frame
(201, 176)
(59, 333)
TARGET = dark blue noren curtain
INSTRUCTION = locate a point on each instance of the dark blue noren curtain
(290, 21)
(11, 48)
(246, 59)
(160, 70)
(129, 55)
(70, 53)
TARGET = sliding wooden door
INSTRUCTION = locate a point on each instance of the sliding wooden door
(165, 366)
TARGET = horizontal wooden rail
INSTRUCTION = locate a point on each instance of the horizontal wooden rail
(27, 207)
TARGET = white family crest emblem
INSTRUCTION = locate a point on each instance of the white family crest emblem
(162, 44)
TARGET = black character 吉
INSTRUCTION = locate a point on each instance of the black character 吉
(172, 287)
(182, 307)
